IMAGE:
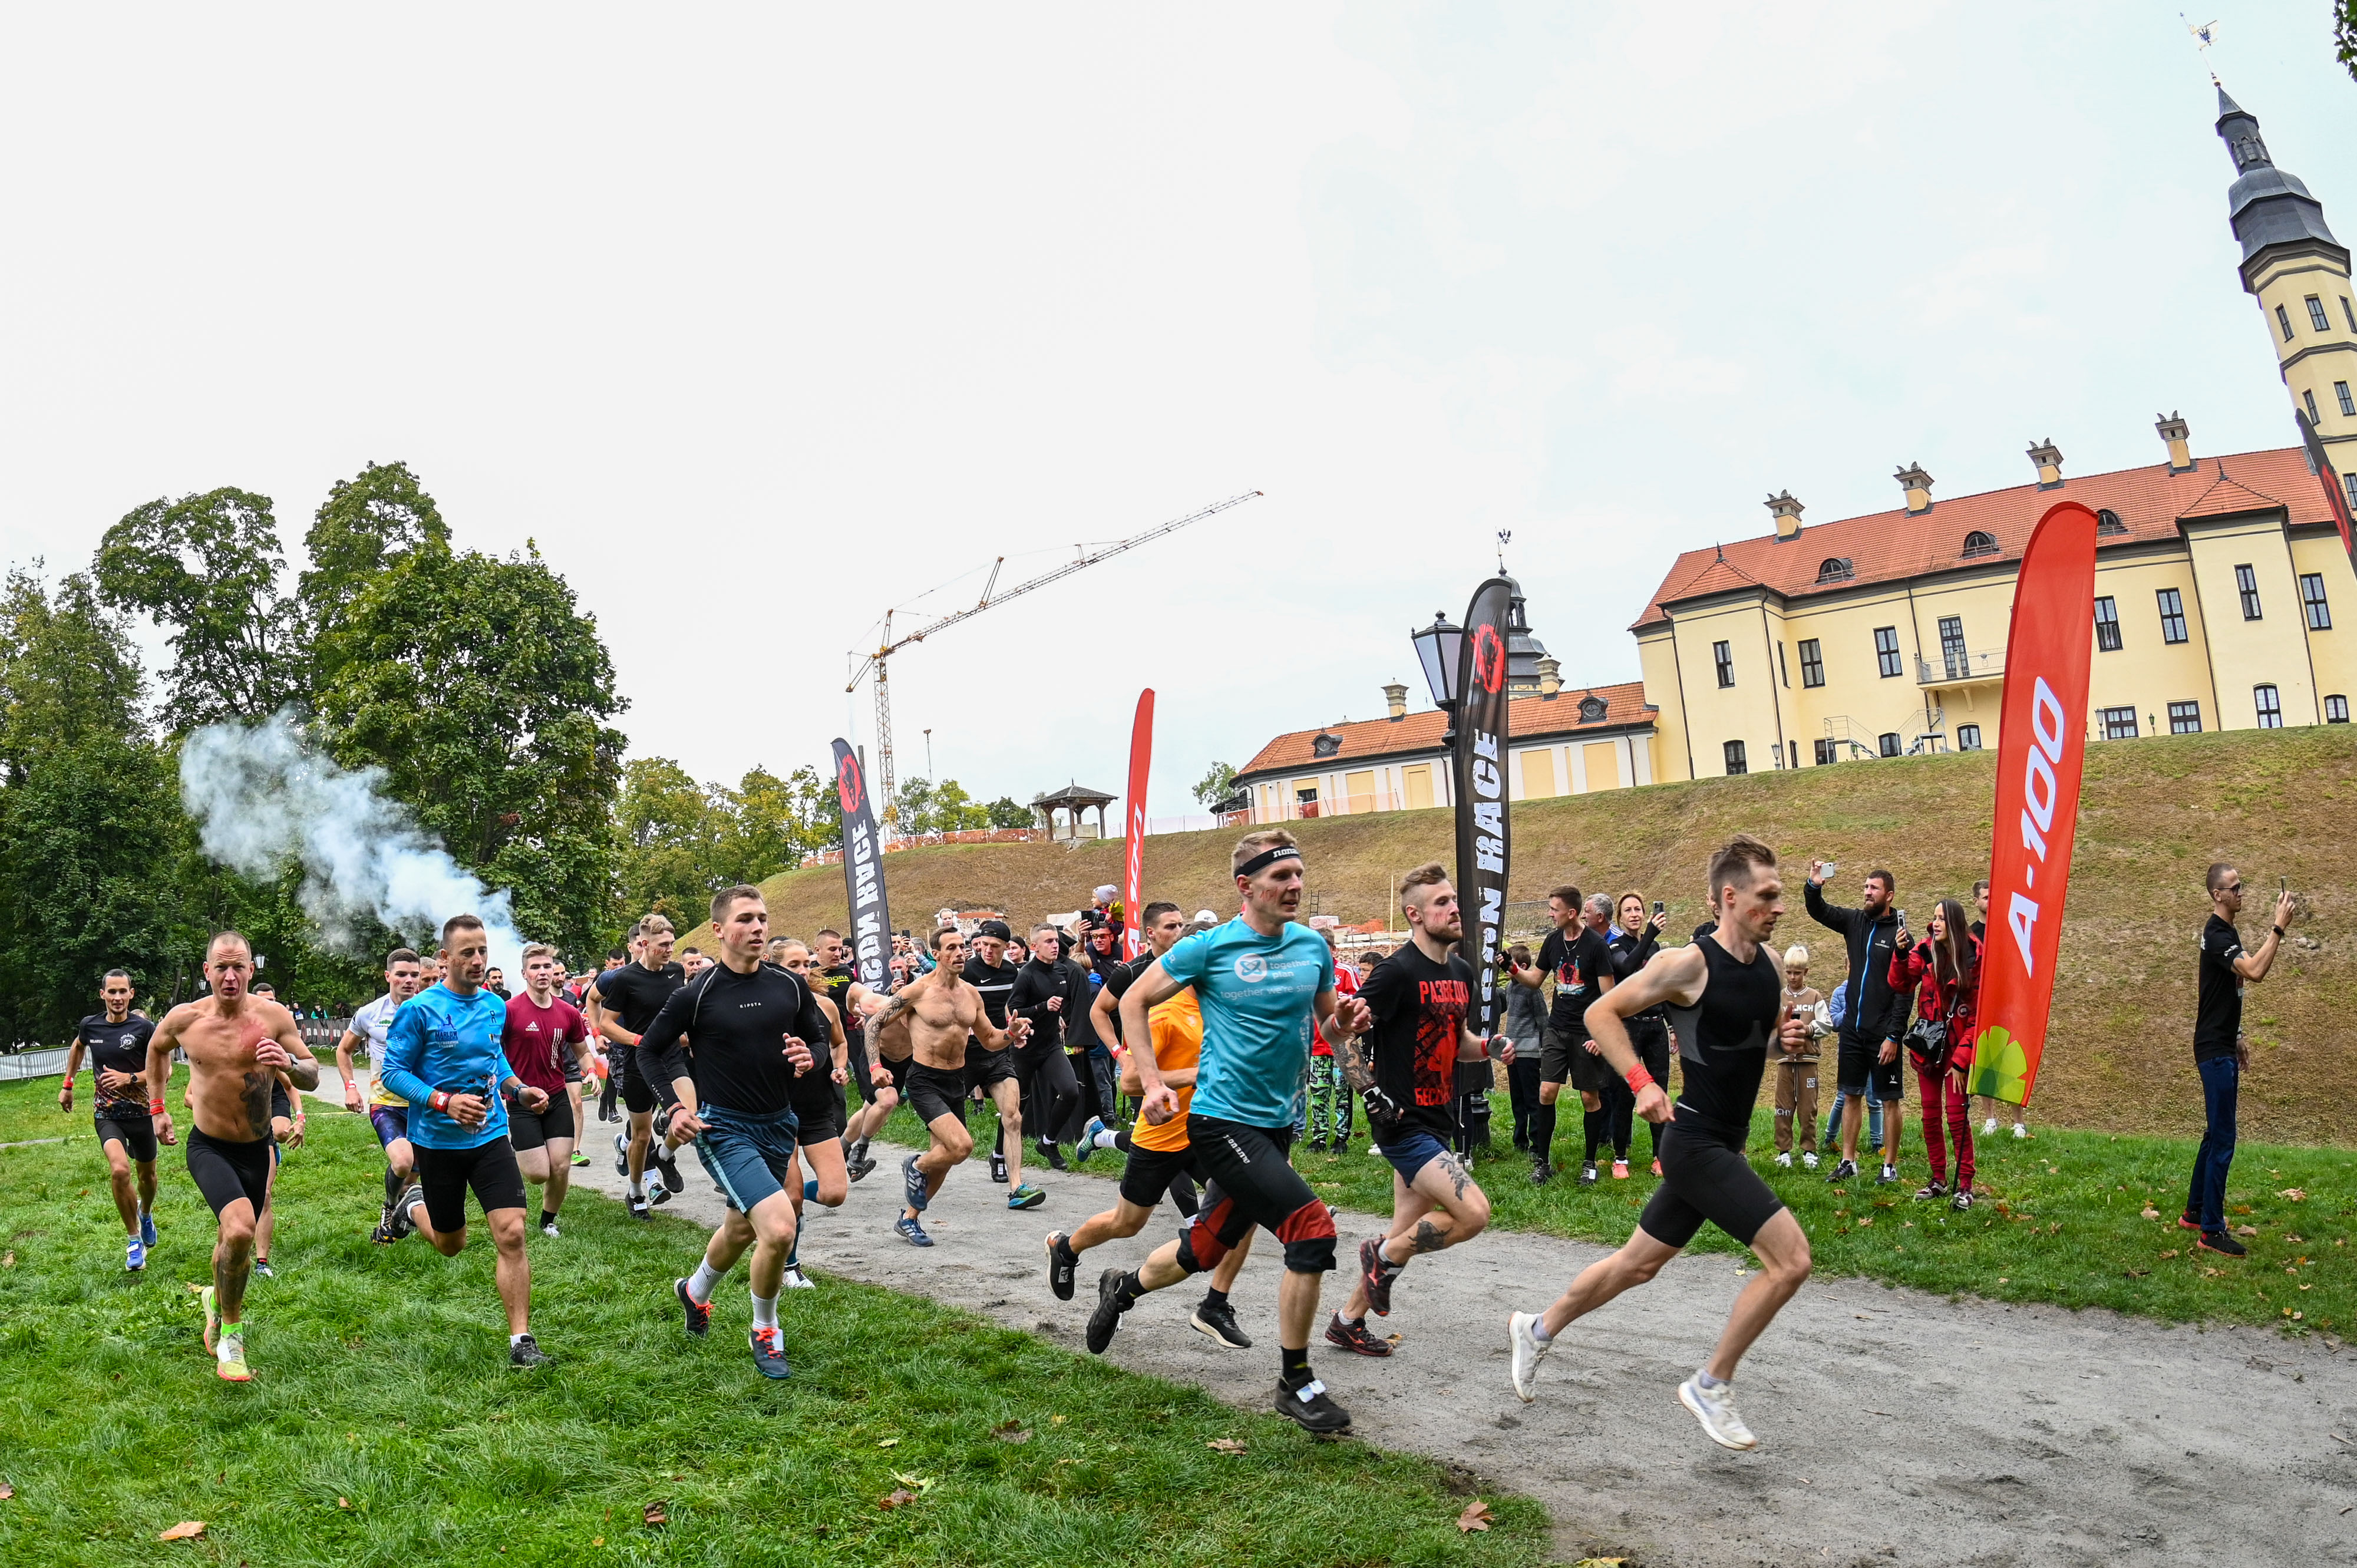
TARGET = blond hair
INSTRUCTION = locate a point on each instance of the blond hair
(1252, 844)
(1796, 956)
(536, 949)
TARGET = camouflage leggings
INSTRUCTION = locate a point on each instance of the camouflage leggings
(1327, 1116)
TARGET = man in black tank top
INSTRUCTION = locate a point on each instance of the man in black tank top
(1725, 996)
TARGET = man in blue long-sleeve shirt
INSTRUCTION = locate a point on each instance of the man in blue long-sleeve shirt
(446, 1058)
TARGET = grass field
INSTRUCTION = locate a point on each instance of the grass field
(2061, 1220)
(2155, 813)
(385, 1427)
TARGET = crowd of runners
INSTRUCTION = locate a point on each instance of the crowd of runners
(1224, 1041)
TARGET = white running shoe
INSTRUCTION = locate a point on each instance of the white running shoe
(1988, 1128)
(796, 1278)
(1785, 1159)
(2019, 1131)
(1715, 1408)
(1527, 1352)
(1810, 1161)
(550, 1231)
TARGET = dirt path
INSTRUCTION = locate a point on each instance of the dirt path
(1896, 1427)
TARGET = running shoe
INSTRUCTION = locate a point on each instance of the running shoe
(1785, 1159)
(658, 1189)
(579, 1158)
(859, 1155)
(207, 1299)
(404, 1222)
(1054, 1154)
(666, 1161)
(1025, 1197)
(1063, 1265)
(1541, 1172)
(1110, 1306)
(1217, 1321)
(2020, 1129)
(1715, 1408)
(998, 1167)
(621, 1154)
(1808, 1158)
(1931, 1190)
(796, 1278)
(1620, 1170)
(1844, 1170)
(382, 1234)
(552, 1232)
(859, 1167)
(2220, 1242)
(135, 1254)
(1525, 1350)
(2188, 1221)
(1355, 1336)
(1309, 1406)
(698, 1314)
(1963, 1201)
(1088, 1144)
(1988, 1128)
(526, 1352)
(913, 1184)
(263, 1269)
(909, 1231)
(768, 1353)
(1375, 1275)
(1587, 1173)
(639, 1209)
(1889, 1174)
(228, 1361)
(146, 1229)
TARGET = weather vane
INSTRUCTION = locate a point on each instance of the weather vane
(1505, 537)
(2204, 33)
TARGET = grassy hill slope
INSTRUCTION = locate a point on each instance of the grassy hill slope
(2153, 813)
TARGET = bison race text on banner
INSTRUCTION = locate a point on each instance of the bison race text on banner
(2042, 751)
(1132, 864)
(862, 872)
(1480, 780)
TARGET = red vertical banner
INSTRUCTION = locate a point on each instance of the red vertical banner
(2040, 760)
(2336, 499)
(1132, 864)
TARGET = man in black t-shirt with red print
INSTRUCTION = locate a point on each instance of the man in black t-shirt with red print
(1405, 1075)
(1580, 960)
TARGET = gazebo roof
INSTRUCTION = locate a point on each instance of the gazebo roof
(1075, 795)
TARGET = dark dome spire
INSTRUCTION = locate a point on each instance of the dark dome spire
(2266, 206)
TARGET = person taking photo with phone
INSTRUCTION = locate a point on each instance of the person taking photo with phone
(2220, 1052)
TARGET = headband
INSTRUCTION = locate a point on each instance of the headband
(1267, 858)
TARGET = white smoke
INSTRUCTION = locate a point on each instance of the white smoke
(262, 796)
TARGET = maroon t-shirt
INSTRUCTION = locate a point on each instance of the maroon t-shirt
(537, 1037)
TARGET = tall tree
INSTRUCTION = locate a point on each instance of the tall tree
(1217, 782)
(366, 524)
(670, 833)
(207, 568)
(482, 692)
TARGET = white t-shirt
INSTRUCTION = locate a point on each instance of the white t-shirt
(372, 1024)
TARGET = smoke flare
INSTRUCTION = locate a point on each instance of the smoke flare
(262, 796)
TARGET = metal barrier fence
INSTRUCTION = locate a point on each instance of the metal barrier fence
(50, 1062)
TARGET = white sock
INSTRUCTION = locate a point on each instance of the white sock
(516, 1339)
(637, 1188)
(701, 1283)
(765, 1311)
(1104, 1140)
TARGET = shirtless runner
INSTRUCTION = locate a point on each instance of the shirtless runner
(236, 1044)
(942, 1010)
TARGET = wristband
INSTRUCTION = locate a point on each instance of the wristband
(2279, 931)
(438, 1102)
(1638, 1078)
(155, 1108)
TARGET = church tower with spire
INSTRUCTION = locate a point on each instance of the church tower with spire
(2300, 275)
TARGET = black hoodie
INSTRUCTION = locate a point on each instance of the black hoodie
(1875, 1012)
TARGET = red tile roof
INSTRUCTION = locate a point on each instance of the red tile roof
(1888, 546)
(1369, 740)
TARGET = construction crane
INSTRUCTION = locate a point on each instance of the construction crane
(880, 661)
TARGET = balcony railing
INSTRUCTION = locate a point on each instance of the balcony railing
(1959, 667)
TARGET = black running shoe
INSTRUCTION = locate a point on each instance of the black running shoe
(404, 1222)
(2219, 1242)
(1110, 1306)
(1541, 1173)
(1375, 1274)
(1587, 1173)
(1308, 1405)
(1063, 1263)
(998, 1167)
(667, 1162)
(1355, 1336)
(526, 1352)
(859, 1168)
(639, 1209)
(1056, 1161)
(1843, 1171)
(768, 1353)
(1217, 1323)
(698, 1314)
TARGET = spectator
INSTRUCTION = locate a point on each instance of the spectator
(1869, 1040)
(1944, 972)
(1636, 937)
(1796, 1066)
(2220, 1052)
(1834, 1002)
(1326, 1111)
(1527, 1013)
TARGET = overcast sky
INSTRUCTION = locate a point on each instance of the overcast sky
(761, 319)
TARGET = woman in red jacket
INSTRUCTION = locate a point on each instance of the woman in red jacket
(1944, 969)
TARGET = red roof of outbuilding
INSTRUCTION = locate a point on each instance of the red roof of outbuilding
(1526, 717)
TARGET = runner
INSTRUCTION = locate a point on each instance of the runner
(446, 1057)
(609, 1086)
(234, 1043)
(388, 1113)
(751, 1023)
(993, 1070)
(1724, 996)
(1163, 926)
(623, 1002)
(1406, 1077)
(853, 1003)
(1581, 963)
(117, 1042)
(942, 1011)
(1049, 993)
(1160, 1153)
(1260, 979)
(542, 1033)
(889, 1077)
(818, 1101)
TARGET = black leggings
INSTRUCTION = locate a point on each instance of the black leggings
(1652, 1038)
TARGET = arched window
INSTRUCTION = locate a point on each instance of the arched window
(1836, 569)
(1325, 745)
(2107, 522)
(1979, 542)
(1591, 710)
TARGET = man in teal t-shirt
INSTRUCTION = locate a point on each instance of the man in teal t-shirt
(1261, 979)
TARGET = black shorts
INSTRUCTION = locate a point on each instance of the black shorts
(983, 1069)
(446, 1175)
(895, 1073)
(637, 1092)
(534, 1129)
(1858, 1068)
(280, 1106)
(819, 1112)
(1563, 1058)
(1705, 1178)
(1249, 1182)
(129, 1125)
(934, 1093)
(1147, 1178)
(225, 1172)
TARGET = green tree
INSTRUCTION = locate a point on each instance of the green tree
(671, 841)
(207, 568)
(365, 525)
(1008, 812)
(2344, 34)
(772, 822)
(477, 687)
(943, 807)
(1216, 785)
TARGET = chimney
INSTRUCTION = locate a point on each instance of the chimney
(1786, 513)
(2179, 436)
(1918, 485)
(1550, 674)
(2047, 457)
(1396, 695)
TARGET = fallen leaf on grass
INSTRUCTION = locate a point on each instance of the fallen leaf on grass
(1058, 1420)
(1011, 1432)
(2295, 1194)
(887, 1443)
(597, 1541)
(654, 1514)
(1225, 1445)
(6, 1491)
(2170, 1253)
(2003, 1281)
(187, 1530)
(2246, 1229)
(7, 1261)
(897, 1497)
(2137, 1273)
(1475, 1516)
(344, 1502)
(2150, 1213)
(920, 1482)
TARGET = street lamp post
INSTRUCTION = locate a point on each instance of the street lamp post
(1439, 649)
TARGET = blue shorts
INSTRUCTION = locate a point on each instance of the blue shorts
(390, 1122)
(752, 1157)
(1411, 1151)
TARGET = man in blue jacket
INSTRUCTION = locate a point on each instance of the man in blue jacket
(1874, 1015)
(445, 1056)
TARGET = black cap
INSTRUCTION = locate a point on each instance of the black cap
(998, 929)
